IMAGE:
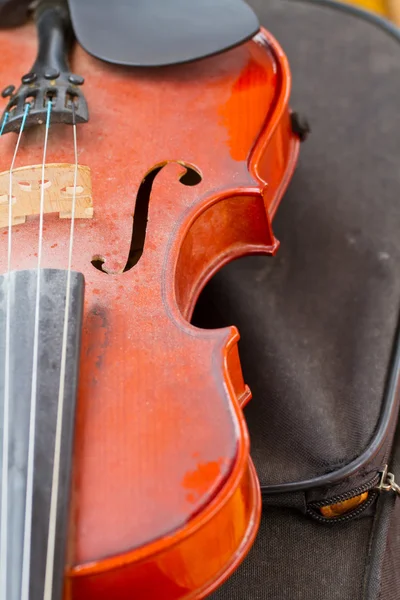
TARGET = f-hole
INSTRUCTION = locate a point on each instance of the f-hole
(190, 178)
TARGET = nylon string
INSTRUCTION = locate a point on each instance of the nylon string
(32, 419)
(48, 584)
(6, 408)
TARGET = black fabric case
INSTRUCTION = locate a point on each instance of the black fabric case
(319, 345)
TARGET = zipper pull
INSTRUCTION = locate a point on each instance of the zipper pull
(387, 482)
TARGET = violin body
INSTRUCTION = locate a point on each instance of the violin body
(185, 167)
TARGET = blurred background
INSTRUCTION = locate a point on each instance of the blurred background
(385, 8)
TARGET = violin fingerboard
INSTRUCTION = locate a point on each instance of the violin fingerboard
(22, 305)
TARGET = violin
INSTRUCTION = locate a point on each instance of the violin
(124, 452)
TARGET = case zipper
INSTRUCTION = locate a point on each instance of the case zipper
(382, 482)
(387, 482)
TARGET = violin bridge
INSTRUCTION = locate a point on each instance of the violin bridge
(58, 192)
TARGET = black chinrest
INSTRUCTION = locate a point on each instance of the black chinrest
(152, 33)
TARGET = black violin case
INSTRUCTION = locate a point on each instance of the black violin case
(319, 323)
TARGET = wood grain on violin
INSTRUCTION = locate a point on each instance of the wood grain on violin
(59, 182)
(188, 165)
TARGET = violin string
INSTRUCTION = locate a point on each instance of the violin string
(4, 122)
(6, 407)
(32, 419)
(48, 587)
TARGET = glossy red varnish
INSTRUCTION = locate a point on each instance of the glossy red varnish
(165, 502)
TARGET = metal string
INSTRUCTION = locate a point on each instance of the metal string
(6, 408)
(4, 122)
(48, 585)
(32, 419)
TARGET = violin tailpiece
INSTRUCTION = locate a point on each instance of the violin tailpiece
(58, 195)
(49, 80)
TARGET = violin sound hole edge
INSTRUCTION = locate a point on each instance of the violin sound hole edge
(190, 178)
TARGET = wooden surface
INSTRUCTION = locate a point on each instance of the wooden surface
(166, 502)
(386, 8)
(377, 6)
(393, 10)
(59, 186)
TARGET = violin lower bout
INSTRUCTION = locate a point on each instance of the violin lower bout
(202, 557)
